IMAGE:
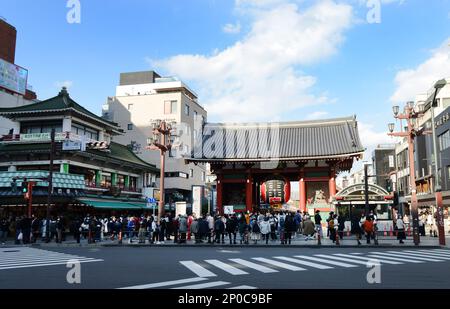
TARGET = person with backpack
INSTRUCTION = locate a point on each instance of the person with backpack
(368, 228)
(401, 235)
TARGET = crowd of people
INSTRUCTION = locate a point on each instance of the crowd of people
(244, 228)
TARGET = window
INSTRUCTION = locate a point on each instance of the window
(445, 102)
(203, 176)
(186, 109)
(84, 131)
(448, 172)
(444, 140)
(170, 107)
(195, 114)
(191, 173)
(130, 107)
(130, 126)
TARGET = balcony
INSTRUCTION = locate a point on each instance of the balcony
(120, 189)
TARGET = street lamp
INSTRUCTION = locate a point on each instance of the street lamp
(391, 127)
(438, 190)
(410, 115)
(366, 188)
(395, 109)
(160, 140)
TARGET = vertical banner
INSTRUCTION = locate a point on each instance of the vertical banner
(180, 208)
(197, 194)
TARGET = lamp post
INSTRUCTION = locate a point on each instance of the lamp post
(160, 140)
(437, 189)
(409, 115)
(366, 189)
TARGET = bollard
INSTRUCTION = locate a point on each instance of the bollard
(120, 237)
(337, 239)
(318, 237)
(348, 231)
(385, 232)
(409, 231)
(391, 232)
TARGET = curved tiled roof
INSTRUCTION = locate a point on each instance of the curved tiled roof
(302, 140)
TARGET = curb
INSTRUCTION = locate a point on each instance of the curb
(382, 246)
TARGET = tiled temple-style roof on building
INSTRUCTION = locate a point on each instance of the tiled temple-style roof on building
(287, 141)
(62, 103)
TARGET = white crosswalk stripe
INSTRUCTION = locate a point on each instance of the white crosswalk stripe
(25, 257)
(278, 264)
(402, 255)
(368, 259)
(202, 285)
(442, 250)
(420, 254)
(316, 259)
(342, 259)
(433, 253)
(394, 258)
(226, 267)
(164, 284)
(429, 254)
(242, 287)
(197, 269)
(255, 266)
(431, 259)
(306, 263)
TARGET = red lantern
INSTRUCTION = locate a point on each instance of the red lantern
(276, 191)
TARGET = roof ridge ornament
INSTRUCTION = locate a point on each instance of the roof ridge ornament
(63, 92)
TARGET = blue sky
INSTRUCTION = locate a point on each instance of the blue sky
(276, 59)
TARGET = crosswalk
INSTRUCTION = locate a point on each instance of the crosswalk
(266, 265)
(209, 272)
(25, 257)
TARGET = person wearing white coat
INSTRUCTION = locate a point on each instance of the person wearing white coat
(264, 225)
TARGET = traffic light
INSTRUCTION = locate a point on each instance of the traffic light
(25, 188)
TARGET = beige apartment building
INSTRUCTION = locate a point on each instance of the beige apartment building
(143, 97)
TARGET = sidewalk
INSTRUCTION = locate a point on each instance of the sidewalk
(299, 242)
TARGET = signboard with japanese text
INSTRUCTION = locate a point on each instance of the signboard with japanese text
(13, 77)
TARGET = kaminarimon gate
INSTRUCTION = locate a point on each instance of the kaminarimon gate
(255, 163)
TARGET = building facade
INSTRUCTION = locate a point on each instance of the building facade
(112, 176)
(145, 96)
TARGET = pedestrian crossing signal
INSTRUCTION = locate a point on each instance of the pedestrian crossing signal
(24, 187)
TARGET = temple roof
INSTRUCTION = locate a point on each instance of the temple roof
(290, 141)
(59, 104)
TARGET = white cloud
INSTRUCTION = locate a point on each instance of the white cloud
(232, 28)
(317, 115)
(418, 80)
(67, 83)
(260, 76)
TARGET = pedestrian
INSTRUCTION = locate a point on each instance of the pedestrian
(4, 230)
(368, 228)
(59, 229)
(289, 228)
(190, 219)
(298, 222)
(318, 223)
(341, 226)
(142, 230)
(76, 229)
(35, 228)
(210, 232)
(242, 227)
(256, 231)
(194, 229)
(219, 229)
(265, 229)
(204, 229)
(401, 235)
(182, 228)
(356, 229)
(331, 231)
(308, 228)
(231, 227)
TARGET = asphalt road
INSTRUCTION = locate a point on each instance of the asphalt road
(223, 268)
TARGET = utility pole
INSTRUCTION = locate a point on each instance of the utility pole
(366, 188)
(50, 184)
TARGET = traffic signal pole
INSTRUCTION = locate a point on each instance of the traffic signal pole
(50, 185)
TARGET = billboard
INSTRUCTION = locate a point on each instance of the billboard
(197, 194)
(13, 77)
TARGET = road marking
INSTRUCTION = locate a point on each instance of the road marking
(352, 260)
(255, 266)
(197, 269)
(407, 257)
(442, 250)
(306, 263)
(428, 254)
(163, 284)
(316, 259)
(46, 264)
(42, 258)
(367, 259)
(394, 258)
(420, 254)
(278, 264)
(12, 263)
(202, 285)
(226, 267)
(433, 253)
(242, 287)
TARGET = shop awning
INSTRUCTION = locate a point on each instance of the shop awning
(113, 204)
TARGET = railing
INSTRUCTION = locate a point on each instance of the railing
(93, 185)
(44, 137)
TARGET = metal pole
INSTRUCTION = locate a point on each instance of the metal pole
(30, 200)
(50, 184)
(163, 159)
(437, 184)
(366, 190)
(412, 177)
